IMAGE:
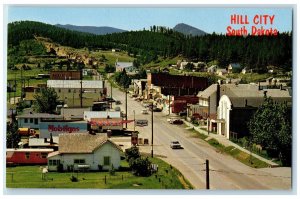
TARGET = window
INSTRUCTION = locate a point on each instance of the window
(27, 155)
(44, 155)
(79, 161)
(25, 120)
(69, 90)
(54, 162)
(36, 121)
(31, 120)
(106, 161)
(59, 90)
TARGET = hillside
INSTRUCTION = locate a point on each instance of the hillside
(103, 30)
(254, 52)
(188, 30)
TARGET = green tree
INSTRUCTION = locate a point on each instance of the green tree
(271, 128)
(132, 152)
(46, 101)
(141, 166)
(12, 135)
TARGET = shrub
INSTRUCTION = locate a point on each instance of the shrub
(73, 179)
(112, 170)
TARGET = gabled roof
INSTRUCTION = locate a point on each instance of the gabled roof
(208, 92)
(83, 143)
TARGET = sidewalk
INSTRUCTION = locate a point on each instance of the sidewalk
(226, 142)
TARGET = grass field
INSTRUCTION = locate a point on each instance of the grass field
(167, 177)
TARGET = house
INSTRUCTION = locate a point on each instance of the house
(85, 151)
(33, 120)
(233, 67)
(221, 71)
(212, 69)
(238, 103)
(207, 105)
(128, 66)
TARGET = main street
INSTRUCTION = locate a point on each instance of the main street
(226, 173)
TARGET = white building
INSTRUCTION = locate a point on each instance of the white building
(86, 151)
(33, 120)
(239, 102)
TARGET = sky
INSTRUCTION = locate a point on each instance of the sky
(213, 19)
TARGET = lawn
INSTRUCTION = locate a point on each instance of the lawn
(167, 177)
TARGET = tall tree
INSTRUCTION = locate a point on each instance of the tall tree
(46, 101)
(271, 128)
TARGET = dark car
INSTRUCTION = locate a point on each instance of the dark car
(177, 122)
(118, 102)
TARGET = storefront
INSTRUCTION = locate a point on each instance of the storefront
(60, 127)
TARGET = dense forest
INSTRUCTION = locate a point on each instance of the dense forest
(256, 52)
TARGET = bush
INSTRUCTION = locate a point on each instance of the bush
(141, 167)
(73, 179)
(132, 153)
(60, 168)
(112, 170)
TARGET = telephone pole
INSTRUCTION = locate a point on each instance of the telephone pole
(126, 105)
(207, 174)
(152, 130)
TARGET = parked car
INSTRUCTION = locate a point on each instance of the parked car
(117, 108)
(157, 109)
(176, 121)
(175, 145)
(118, 102)
(145, 111)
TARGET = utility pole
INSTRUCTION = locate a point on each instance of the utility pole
(126, 105)
(152, 130)
(81, 92)
(207, 174)
(169, 104)
(134, 120)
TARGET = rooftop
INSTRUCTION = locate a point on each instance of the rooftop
(82, 142)
(208, 92)
(75, 84)
(40, 115)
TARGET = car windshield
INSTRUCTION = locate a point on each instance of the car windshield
(175, 142)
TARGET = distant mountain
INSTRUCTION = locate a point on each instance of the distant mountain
(103, 30)
(188, 30)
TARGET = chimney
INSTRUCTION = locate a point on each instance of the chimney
(218, 94)
(246, 102)
(281, 87)
(259, 86)
(45, 140)
(265, 93)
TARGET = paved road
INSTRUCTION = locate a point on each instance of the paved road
(226, 173)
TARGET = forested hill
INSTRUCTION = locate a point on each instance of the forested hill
(103, 30)
(252, 51)
(188, 30)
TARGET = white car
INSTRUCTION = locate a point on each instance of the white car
(145, 111)
(175, 145)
